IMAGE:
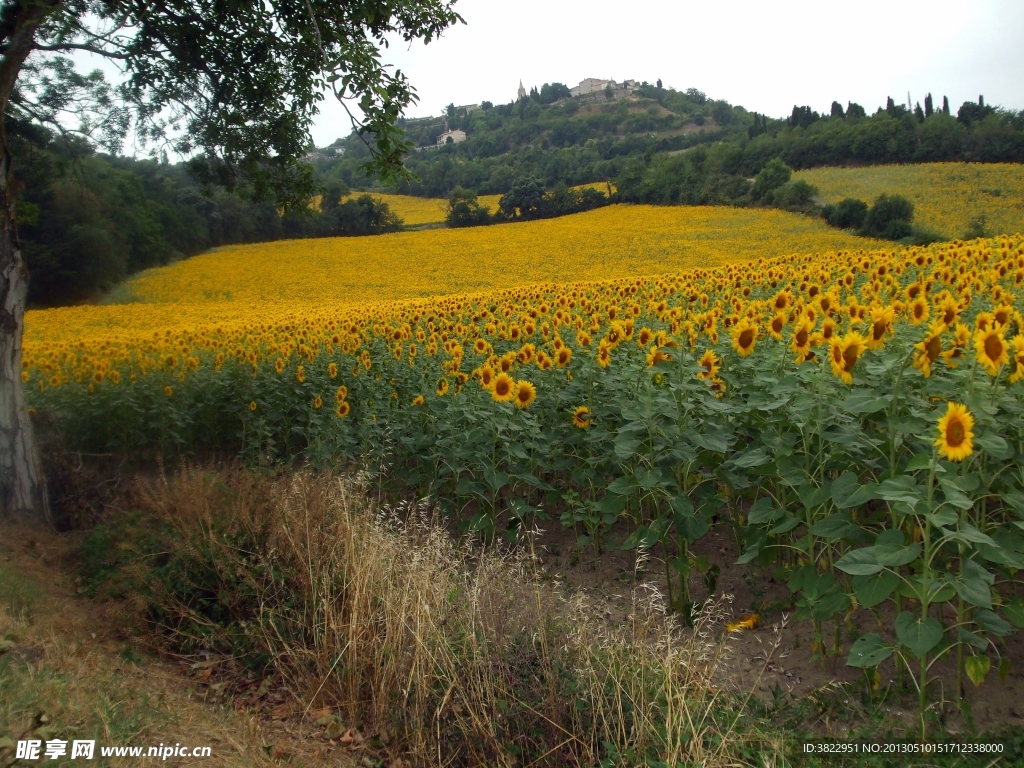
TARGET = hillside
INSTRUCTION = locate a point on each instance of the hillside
(953, 199)
(613, 242)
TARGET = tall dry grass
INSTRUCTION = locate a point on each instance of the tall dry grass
(456, 654)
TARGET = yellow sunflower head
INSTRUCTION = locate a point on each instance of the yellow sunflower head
(581, 417)
(744, 337)
(709, 364)
(955, 440)
(991, 349)
(418, 400)
(504, 388)
(525, 394)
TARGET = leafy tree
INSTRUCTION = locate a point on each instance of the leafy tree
(889, 218)
(794, 196)
(524, 200)
(970, 113)
(464, 210)
(854, 111)
(846, 214)
(240, 82)
(659, 83)
(802, 117)
(772, 176)
(837, 111)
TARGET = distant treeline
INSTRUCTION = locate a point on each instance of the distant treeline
(525, 201)
(578, 143)
(86, 221)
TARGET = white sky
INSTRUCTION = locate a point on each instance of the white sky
(765, 56)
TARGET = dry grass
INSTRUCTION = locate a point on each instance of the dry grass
(447, 653)
(68, 672)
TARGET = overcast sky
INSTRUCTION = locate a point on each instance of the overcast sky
(765, 56)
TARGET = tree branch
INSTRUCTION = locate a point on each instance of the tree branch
(79, 47)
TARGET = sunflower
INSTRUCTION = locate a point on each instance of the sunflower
(507, 361)
(252, 405)
(991, 348)
(802, 340)
(343, 410)
(955, 435)
(480, 346)
(168, 391)
(929, 348)
(442, 387)
(710, 363)
(486, 377)
(656, 356)
(563, 357)
(504, 388)
(880, 326)
(828, 330)
(918, 311)
(318, 402)
(526, 353)
(961, 340)
(581, 417)
(744, 337)
(844, 354)
(644, 337)
(300, 374)
(604, 355)
(332, 370)
(1017, 372)
(949, 310)
(776, 326)
(418, 400)
(525, 394)
(341, 393)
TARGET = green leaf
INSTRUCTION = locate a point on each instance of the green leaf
(859, 562)
(954, 496)
(977, 667)
(648, 478)
(865, 402)
(752, 458)
(894, 556)
(789, 522)
(692, 527)
(763, 511)
(834, 527)
(812, 496)
(868, 651)
(830, 604)
(847, 491)
(990, 621)
(973, 585)
(944, 518)
(969, 533)
(623, 486)
(920, 461)
(993, 445)
(874, 589)
(920, 636)
(1014, 611)
(971, 639)
(901, 488)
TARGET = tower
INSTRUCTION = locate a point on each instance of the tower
(522, 91)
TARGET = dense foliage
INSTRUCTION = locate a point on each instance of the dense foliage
(88, 220)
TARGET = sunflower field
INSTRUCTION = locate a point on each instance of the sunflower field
(853, 417)
(416, 211)
(948, 198)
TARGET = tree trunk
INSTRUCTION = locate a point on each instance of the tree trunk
(22, 491)
(22, 488)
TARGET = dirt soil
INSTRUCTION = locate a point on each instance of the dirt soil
(774, 659)
(113, 690)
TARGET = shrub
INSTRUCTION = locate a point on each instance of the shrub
(889, 218)
(772, 176)
(386, 620)
(846, 214)
(464, 210)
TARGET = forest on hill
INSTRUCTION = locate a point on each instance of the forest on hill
(88, 219)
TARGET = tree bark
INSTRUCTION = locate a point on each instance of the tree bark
(22, 487)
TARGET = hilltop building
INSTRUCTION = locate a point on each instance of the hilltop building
(521, 92)
(451, 137)
(595, 84)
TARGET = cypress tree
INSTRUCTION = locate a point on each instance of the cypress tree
(929, 108)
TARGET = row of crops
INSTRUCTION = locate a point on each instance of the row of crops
(855, 419)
